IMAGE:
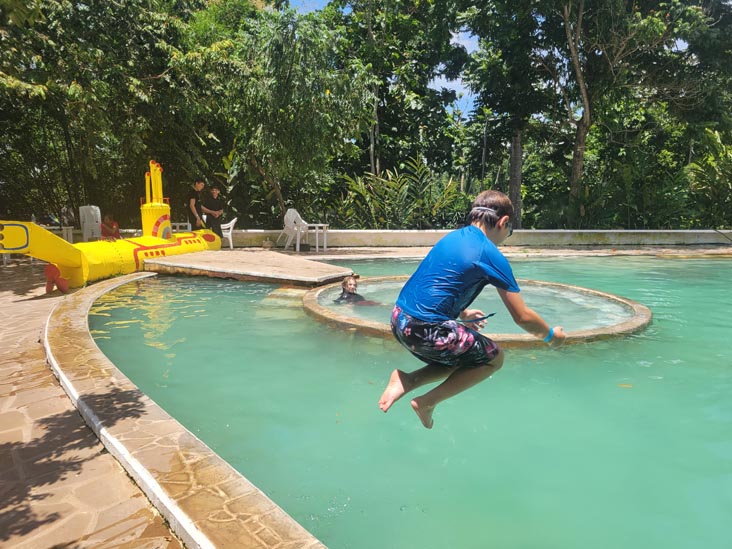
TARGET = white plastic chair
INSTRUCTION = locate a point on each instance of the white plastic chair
(295, 227)
(91, 223)
(227, 230)
(67, 233)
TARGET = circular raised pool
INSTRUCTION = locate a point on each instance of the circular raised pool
(586, 314)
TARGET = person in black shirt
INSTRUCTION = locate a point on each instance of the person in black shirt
(213, 207)
(194, 208)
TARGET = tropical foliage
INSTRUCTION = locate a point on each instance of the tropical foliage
(413, 199)
(588, 113)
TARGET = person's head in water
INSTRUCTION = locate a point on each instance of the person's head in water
(350, 285)
(349, 289)
(492, 209)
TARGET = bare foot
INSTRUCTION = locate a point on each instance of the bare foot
(424, 413)
(395, 389)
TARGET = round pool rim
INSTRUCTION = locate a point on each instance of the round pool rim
(641, 316)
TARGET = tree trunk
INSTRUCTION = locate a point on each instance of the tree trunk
(514, 175)
(374, 135)
(483, 153)
(576, 207)
(573, 30)
(76, 165)
(271, 181)
(374, 129)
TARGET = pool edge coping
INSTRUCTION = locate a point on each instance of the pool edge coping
(642, 316)
(83, 370)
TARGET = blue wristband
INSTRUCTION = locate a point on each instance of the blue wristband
(549, 336)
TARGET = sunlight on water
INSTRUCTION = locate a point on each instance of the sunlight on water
(622, 443)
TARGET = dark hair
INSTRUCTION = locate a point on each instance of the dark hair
(200, 179)
(488, 207)
(215, 186)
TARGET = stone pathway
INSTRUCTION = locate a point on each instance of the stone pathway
(251, 264)
(58, 485)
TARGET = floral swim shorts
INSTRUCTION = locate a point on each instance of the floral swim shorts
(448, 343)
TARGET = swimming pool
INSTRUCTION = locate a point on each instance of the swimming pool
(622, 443)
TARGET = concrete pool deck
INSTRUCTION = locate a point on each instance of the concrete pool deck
(250, 265)
(60, 487)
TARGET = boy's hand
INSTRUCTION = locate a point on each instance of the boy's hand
(559, 337)
(468, 314)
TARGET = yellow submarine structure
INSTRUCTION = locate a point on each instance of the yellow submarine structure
(73, 265)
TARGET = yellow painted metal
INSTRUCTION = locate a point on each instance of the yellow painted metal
(19, 237)
(156, 221)
(155, 212)
(87, 261)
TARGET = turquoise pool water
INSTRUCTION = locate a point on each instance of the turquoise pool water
(625, 443)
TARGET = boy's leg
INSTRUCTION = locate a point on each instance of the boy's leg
(458, 381)
(402, 382)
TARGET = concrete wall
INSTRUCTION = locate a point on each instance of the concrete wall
(540, 238)
(543, 238)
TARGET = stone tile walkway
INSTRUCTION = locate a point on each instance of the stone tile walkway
(251, 264)
(58, 485)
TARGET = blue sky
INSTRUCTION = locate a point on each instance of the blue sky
(306, 6)
(465, 102)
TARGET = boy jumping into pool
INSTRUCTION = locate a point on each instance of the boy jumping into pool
(448, 280)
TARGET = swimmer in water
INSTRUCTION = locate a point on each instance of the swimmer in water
(349, 293)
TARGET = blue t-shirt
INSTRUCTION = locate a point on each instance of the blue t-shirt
(453, 274)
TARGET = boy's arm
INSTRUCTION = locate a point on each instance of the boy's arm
(528, 319)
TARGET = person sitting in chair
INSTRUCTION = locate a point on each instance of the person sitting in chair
(110, 228)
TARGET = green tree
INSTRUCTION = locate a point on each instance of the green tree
(84, 132)
(415, 198)
(404, 46)
(505, 77)
(711, 182)
(284, 87)
(593, 47)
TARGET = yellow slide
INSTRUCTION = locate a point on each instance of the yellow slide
(73, 265)
(18, 237)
